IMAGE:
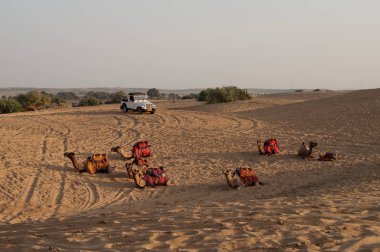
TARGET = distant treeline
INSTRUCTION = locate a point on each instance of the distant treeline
(35, 100)
(209, 95)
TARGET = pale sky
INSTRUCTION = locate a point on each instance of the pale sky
(190, 44)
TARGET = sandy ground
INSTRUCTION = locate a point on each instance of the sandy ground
(305, 205)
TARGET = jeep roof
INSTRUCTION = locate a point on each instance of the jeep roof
(137, 93)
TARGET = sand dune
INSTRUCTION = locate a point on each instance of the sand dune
(305, 205)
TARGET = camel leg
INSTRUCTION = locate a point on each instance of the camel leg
(129, 167)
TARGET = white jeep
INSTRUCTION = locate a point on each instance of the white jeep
(137, 102)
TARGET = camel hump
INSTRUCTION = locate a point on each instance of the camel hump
(99, 157)
(97, 163)
(246, 172)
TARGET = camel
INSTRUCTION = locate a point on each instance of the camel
(305, 151)
(133, 159)
(236, 179)
(269, 147)
(98, 163)
(153, 177)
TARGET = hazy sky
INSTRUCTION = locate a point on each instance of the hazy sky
(190, 44)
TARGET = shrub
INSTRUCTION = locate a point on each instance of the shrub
(153, 93)
(90, 101)
(173, 96)
(67, 96)
(57, 100)
(9, 106)
(98, 95)
(298, 90)
(34, 100)
(116, 97)
(224, 94)
(190, 96)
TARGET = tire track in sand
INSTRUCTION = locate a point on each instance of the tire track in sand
(92, 196)
(58, 197)
(28, 192)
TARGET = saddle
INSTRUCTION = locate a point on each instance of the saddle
(141, 151)
(156, 177)
(97, 163)
(247, 175)
(271, 146)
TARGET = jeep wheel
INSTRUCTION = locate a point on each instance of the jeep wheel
(125, 109)
(139, 110)
(153, 110)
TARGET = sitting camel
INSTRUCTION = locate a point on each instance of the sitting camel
(153, 177)
(305, 151)
(139, 155)
(269, 147)
(97, 163)
(241, 177)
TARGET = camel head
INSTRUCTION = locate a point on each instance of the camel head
(135, 171)
(232, 181)
(312, 144)
(69, 154)
(228, 173)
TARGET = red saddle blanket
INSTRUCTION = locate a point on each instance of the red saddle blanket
(156, 177)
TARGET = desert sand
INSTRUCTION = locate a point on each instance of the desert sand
(306, 205)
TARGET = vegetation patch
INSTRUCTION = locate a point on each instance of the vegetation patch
(10, 105)
(91, 101)
(223, 94)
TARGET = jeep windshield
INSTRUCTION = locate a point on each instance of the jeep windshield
(140, 97)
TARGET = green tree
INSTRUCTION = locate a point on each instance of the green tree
(57, 100)
(153, 92)
(34, 100)
(9, 105)
(190, 96)
(116, 97)
(45, 99)
(224, 94)
(67, 96)
(173, 96)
